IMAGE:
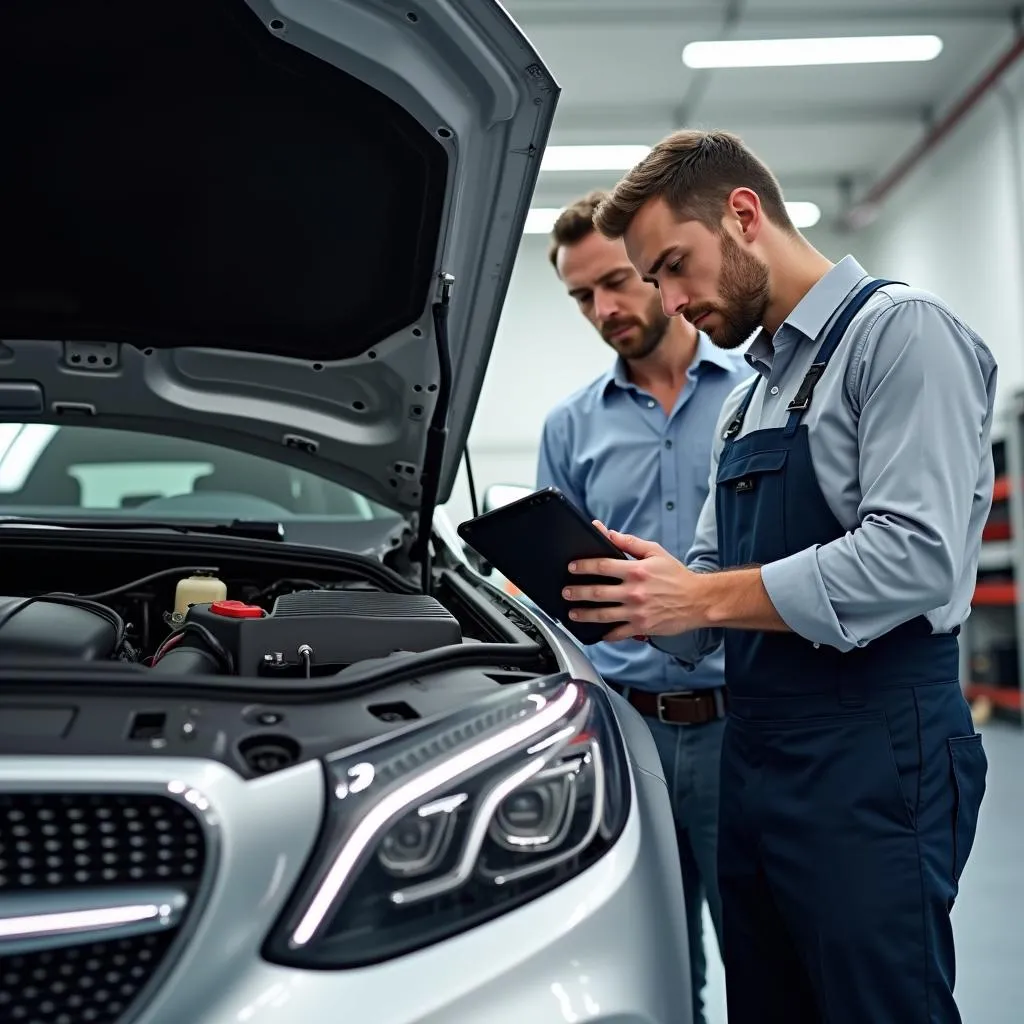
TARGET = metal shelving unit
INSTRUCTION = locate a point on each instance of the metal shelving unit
(991, 650)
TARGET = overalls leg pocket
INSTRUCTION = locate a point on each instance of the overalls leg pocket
(970, 770)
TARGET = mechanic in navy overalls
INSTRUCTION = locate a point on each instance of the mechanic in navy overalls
(836, 557)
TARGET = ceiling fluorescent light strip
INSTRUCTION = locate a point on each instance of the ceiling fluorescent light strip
(592, 158)
(541, 219)
(765, 53)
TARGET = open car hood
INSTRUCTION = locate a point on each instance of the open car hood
(239, 220)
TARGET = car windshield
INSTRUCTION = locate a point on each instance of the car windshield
(83, 470)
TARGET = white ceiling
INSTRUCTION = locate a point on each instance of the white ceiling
(827, 132)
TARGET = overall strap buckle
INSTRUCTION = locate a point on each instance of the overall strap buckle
(732, 429)
(802, 398)
(736, 424)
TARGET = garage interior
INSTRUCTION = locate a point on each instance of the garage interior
(915, 167)
(237, 382)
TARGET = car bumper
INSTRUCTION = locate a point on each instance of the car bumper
(608, 947)
(603, 948)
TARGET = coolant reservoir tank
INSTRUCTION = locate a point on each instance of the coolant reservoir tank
(196, 590)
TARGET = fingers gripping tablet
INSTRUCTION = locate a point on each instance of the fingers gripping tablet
(532, 541)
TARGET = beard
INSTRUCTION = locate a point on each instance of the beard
(646, 336)
(744, 289)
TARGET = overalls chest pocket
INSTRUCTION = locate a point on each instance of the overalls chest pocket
(750, 505)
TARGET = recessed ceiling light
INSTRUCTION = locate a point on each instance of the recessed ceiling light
(541, 219)
(774, 53)
(803, 214)
(592, 158)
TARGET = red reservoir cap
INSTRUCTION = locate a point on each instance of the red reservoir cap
(236, 610)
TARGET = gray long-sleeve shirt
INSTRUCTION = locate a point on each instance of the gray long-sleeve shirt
(899, 431)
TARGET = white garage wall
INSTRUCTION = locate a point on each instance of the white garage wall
(956, 227)
(544, 351)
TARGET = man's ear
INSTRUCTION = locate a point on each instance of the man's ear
(743, 208)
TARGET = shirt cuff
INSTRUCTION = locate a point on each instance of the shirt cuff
(797, 590)
(689, 648)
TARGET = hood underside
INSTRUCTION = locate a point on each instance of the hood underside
(229, 220)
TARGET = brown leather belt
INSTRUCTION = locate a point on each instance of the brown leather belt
(684, 707)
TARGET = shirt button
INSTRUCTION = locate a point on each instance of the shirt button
(668, 444)
(651, 403)
(670, 505)
(775, 390)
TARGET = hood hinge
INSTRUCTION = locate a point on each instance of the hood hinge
(437, 432)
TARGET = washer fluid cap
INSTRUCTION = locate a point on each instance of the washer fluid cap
(237, 610)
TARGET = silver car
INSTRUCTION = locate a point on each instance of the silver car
(271, 748)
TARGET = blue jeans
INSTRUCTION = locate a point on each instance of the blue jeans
(690, 756)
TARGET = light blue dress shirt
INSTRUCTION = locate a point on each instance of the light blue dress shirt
(900, 437)
(612, 450)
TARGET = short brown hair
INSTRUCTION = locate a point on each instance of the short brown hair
(574, 223)
(694, 172)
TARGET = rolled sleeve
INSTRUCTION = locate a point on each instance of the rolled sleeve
(797, 590)
(922, 391)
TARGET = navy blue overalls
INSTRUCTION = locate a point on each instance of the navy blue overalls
(851, 782)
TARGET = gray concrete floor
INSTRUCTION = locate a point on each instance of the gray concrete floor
(988, 919)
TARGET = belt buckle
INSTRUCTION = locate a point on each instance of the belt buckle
(661, 705)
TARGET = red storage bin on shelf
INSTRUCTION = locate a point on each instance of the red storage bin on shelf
(998, 525)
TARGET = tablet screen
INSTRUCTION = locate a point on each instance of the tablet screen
(532, 541)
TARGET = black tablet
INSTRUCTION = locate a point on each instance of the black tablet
(532, 541)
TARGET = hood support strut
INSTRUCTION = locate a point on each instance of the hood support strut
(437, 433)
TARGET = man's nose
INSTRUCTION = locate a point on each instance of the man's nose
(674, 300)
(606, 305)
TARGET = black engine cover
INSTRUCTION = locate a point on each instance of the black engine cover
(341, 628)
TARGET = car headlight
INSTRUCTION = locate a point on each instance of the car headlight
(440, 826)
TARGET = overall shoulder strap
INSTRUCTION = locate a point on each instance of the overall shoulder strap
(802, 398)
(737, 421)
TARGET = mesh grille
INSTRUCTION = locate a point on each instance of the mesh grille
(88, 984)
(67, 840)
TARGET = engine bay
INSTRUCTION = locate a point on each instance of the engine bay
(253, 655)
(279, 630)
(228, 616)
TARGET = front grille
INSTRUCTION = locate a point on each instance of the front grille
(64, 842)
(87, 984)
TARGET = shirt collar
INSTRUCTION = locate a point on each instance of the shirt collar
(812, 313)
(615, 374)
(707, 354)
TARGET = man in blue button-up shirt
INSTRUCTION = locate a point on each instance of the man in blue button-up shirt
(633, 449)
